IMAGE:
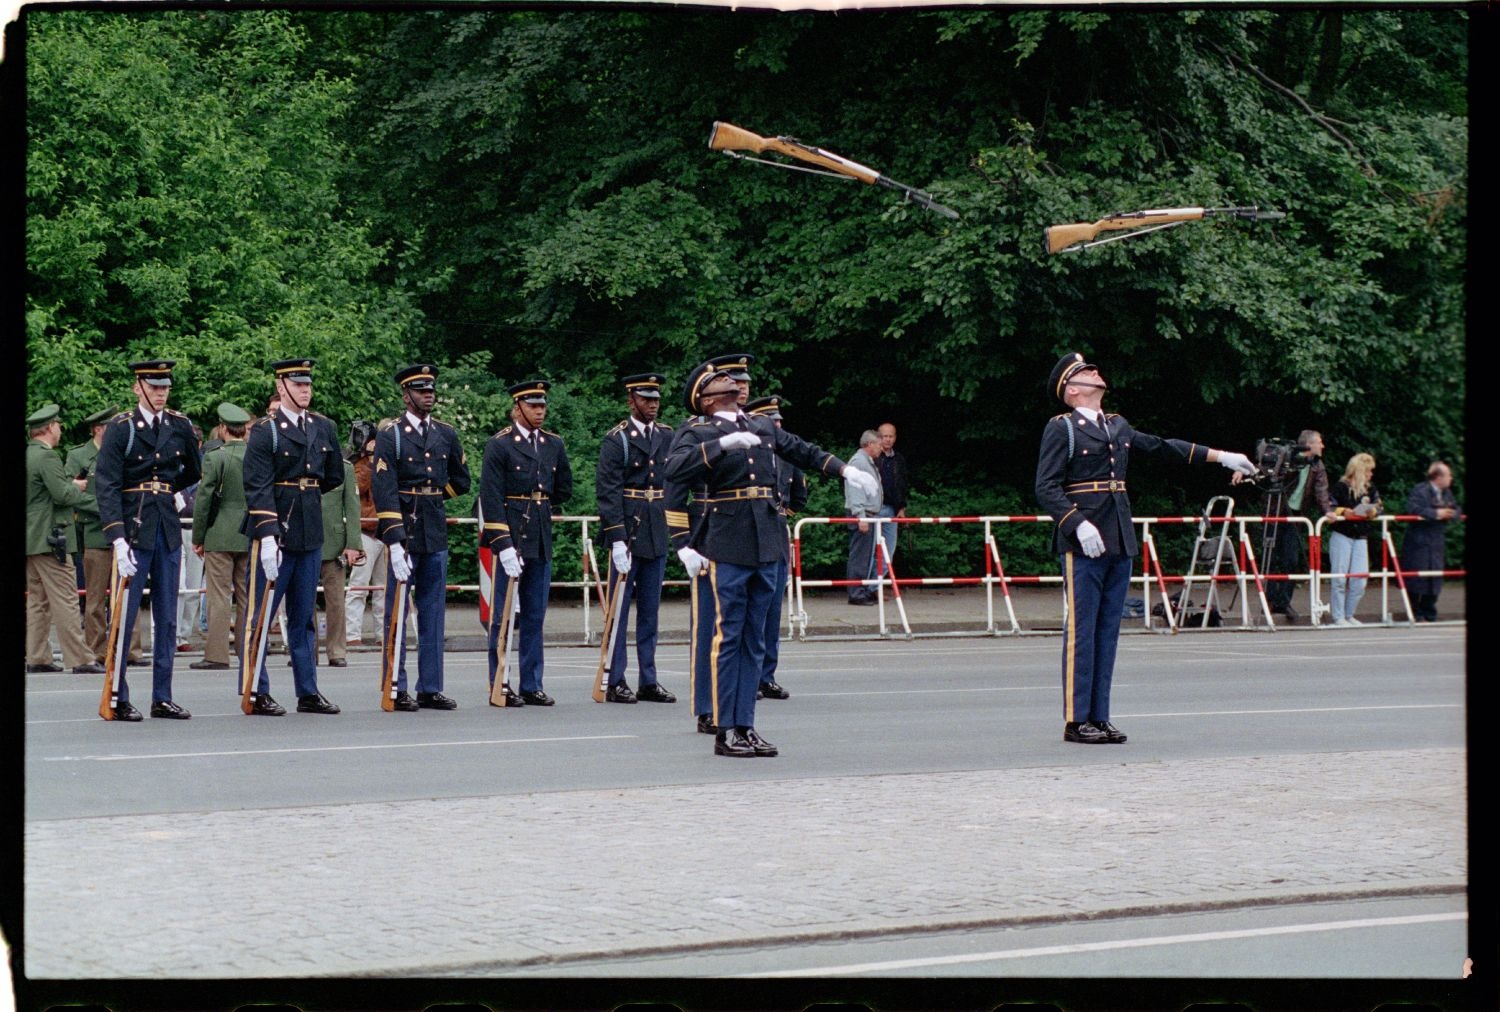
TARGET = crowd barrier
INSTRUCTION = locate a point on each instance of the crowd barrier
(1154, 584)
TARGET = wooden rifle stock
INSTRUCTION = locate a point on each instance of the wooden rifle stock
(114, 660)
(500, 676)
(1058, 238)
(253, 642)
(395, 640)
(613, 619)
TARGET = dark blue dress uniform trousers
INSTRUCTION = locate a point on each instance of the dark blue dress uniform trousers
(773, 626)
(531, 593)
(1095, 593)
(741, 596)
(297, 582)
(158, 564)
(427, 592)
(643, 587)
(702, 639)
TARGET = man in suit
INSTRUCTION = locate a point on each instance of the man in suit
(148, 456)
(418, 465)
(1080, 482)
(863, 534)
(1423, 546)
(51, 582)
(792, 493)
(524, 480)
(219, 538)
(291, 460)
(739, 540)
(632, 512)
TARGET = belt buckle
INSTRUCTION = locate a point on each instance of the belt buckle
(1115, 486)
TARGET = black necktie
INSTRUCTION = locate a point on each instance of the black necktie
(156, 426)
(302, 424)
(422, 429)
(739, 423)
(533, 440)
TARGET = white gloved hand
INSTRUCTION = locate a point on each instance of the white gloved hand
(736, 439)
(124, 557)
(692, 562)
(1237, 462)
(1088, 537)
(179, 502)
(270, 557)
(862, 481)
(400, 563)
(511, 563)
(620, 556)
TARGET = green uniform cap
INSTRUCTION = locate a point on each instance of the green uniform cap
(42, 415)
(100, 417)
(233, 414)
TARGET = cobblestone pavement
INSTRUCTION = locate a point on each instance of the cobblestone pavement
(524, 880)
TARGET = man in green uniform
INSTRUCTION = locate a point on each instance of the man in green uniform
(218, 515)
(51, 585)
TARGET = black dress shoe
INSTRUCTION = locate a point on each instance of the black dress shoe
(46, 669)
(137, 662)
(89, 669)
(537, 698)
(773, 691)
(209, 666)
(338, 662)
(167, 708)
(619, 693)
(862, 600)
(655, 694)
(435, 701)
(1084, 733)
(733, 743)
(511, 699)
(705, 724)
(405, 703)
(315, 704)
(124, 711)
(762, 747)
(265, 706)
(1112, 734)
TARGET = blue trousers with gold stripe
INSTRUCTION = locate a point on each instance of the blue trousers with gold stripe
(531, 593)
(1095, 591)
(428, 592)
(773, 626)
(643, 588)
(701, 614)
(741, 596)
(159, 565)
(297, 581)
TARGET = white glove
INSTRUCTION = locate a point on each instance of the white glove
(692, 562)
(620, 556)
(179, 502)
(864, 482)
(270, 557)
(735, 439)
(1237, 462)
(1088, 537)
(400, 564)
(124, 557)
(511, 563)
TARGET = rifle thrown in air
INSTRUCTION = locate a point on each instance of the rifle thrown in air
(731, 140)
(1070, 238)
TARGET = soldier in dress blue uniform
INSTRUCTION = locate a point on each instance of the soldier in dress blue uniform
(684, 511)
(148, 456)
(1080, 481)
(524, 480)
(418, 465)
(738, 542)
(791, 496)
(632, 511)
(291, 459)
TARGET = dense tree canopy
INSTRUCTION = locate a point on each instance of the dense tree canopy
(515, 192)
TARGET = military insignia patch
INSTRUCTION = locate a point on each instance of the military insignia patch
(380, 465)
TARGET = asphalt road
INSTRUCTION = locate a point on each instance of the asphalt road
(923, 793)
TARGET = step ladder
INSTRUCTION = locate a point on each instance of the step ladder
(1213, 549)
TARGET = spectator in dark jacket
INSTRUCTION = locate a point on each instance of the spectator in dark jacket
(1424, 547)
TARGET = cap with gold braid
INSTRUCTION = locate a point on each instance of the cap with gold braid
(1067, 367)
(770, 406)
(701, 381)
(154, 373)
(530, 391)
(646, 384)
(298, 370)
(418, 377)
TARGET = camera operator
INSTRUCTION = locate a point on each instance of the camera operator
(1304, 493)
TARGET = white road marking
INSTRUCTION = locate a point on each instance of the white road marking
(1127, 943)
(327, 748)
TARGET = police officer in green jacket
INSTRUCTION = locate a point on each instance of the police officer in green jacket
(51, 585)
(342, 547)
(218, 515)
